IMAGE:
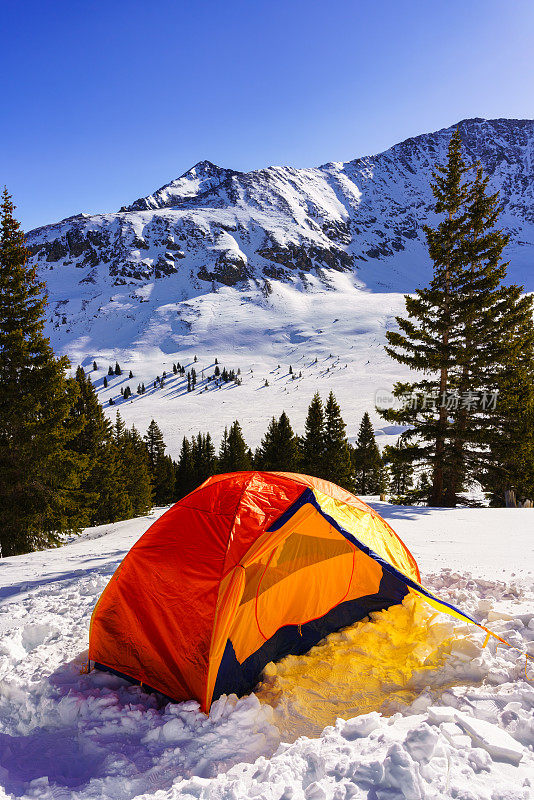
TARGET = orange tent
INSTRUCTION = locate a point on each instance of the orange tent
(246, 569)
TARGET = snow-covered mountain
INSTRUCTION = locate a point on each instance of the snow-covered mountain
(270, 264)
(217, 227)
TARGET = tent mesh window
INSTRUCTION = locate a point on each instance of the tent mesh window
(283, 597)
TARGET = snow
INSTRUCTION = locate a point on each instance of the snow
(344, 329)
(497, 743)
(405, 705)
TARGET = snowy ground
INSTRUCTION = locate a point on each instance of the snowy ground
(407, 705)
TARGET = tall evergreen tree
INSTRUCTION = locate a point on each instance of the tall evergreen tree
(337, 464)
(460, 333)
(234, 455)
(497, 332)
(135, 476)
(313, 441)
(39, 472)
(367, 460)
(279, 447)
(104, 499)
(185, 471)
(427, 341)
(162, 467)
(400, 469)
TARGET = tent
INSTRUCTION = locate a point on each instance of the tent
(248, 568)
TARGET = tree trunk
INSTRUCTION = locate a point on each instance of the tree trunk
(509, 498)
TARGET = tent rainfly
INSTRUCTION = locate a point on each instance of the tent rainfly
(248, 568)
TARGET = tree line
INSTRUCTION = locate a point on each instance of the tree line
(322, 451)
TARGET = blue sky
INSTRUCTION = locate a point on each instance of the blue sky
(103, 102)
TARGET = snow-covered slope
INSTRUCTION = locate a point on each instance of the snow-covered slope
(202, 264)
(431, 714)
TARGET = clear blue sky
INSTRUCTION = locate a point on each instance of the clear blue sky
(103, 102)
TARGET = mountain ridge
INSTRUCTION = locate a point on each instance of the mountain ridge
(206, 163)
(215, 227)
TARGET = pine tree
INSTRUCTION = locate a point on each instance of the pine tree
(400, 468)
(130, 374)
(366, 459)
(136, 478)
(118, 370)
(461, 333)
(337, 463)
(110, 371)
(164, 481)
(95, 366)
(105, 383)
(185, 473)
(497, 331)
(162, 468)
(204, 459)
(155, 444)
(103, 494)
(430, 339)
(39, 474)
(313, 442)
(509, 462)
(279, 450)
(110, 501)
(234, 455)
